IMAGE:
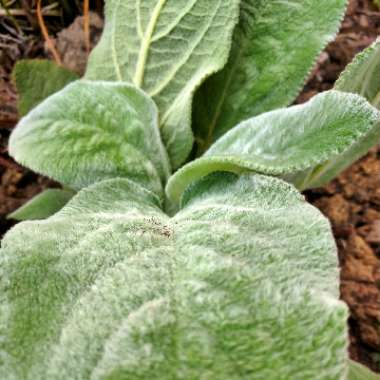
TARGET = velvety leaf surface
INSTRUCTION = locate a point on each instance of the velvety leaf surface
(274, 48)
(288, 141)
(362, 75)
(359, 372)
(166, 47)
(90, 131)
(235, 286)
(42, 205)
(38, 79)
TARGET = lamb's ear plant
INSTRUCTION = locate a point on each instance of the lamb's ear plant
(241, 280)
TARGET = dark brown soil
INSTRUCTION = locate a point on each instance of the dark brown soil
(351, 202)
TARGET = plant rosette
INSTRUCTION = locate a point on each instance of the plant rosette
(149, 264)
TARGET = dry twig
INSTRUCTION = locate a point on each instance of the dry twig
(45, 34)
(86, 24)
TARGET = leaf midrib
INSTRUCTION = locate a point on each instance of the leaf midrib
(155, 92)
(145, 44)
(113, 44)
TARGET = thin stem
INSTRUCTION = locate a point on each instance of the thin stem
(45, 34)
(145, 44)
(86, 24)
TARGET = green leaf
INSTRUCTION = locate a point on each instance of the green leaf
(275, 46)
(42, 205)
(235, 286)
(38, 79)
(362, 75)
(91, 131)
(359, 372)
(166, 47)
(291, 141)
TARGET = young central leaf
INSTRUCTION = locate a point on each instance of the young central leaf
(274, 47)
(90, 131)
(241, 284)
(167, 48)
